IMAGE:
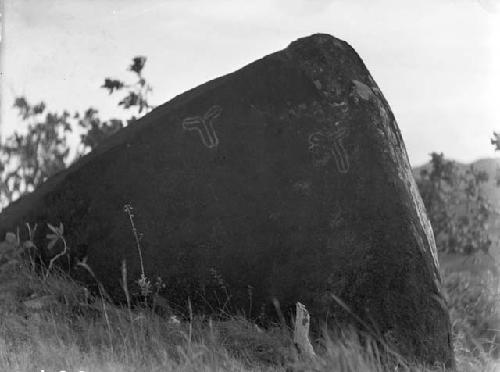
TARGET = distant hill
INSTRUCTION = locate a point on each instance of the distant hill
(491, 190)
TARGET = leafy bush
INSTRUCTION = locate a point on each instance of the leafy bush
(458, 209)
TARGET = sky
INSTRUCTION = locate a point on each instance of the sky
(436, 61)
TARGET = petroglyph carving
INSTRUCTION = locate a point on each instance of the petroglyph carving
(204, 125)
(342, 106)
(302, 187)
(328, 143)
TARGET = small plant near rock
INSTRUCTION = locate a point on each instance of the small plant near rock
(9, 248)
(143, 282)
(56, 236)
(12, 250)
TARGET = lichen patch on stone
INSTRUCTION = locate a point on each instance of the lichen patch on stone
(338, 44)
(363, 91)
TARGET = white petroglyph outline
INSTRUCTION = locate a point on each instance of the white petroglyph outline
(204, 125)
(332, 142)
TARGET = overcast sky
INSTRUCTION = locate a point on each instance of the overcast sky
(436, 61)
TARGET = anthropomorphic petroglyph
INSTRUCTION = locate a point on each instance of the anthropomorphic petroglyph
(204, 125)
(329, 143)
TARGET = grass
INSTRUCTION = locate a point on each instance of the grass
(74, 332)
(67, 329)
(474, 304)
(51, 323)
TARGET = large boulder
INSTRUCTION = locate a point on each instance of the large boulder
(287, 179)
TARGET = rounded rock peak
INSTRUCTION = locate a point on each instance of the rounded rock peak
(318, 40)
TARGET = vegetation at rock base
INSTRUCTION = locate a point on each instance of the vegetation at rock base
(50, 322)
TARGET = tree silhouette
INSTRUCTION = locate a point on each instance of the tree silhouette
(456, 205)
(136, 97)
(28, 158)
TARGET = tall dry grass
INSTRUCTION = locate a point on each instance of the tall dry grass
(49, 322)
(52, 323)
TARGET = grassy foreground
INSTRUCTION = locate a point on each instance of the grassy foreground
(51, 323)
(48, 322)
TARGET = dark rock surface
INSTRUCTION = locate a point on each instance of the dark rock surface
(287, 179)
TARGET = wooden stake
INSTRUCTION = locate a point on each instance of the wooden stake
(301, 331)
